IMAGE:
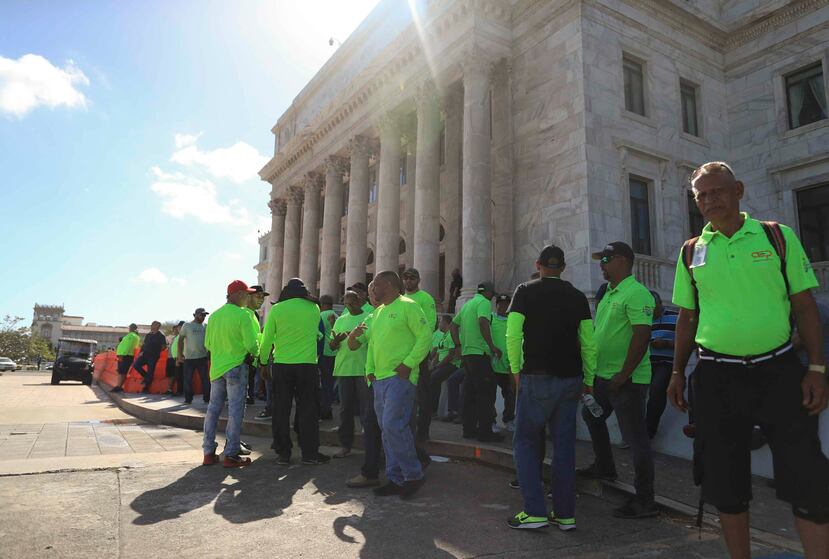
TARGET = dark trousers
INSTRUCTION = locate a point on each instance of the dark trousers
(438, 376)
(372, 440)
(353, 394)
(175, 371)
(504, 381)
(657, 394)
(326, 395)
(252, 381)
(629, 405)
(301, 383)
(145, 365)
(424, 402)
(478, 395)
(200, 365)
(454, 386)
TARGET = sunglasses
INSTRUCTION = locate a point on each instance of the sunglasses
(606, 259)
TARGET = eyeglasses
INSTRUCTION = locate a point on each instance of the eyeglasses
(606, 259)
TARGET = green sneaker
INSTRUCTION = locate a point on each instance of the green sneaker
(564, 524)
(523, 521)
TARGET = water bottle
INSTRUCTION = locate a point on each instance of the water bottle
(592, 405)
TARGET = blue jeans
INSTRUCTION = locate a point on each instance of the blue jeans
(547, 400)
(394, 400)
(233, 386)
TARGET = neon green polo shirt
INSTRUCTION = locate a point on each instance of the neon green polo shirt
(744, 307)
(348, 363)
(627, 305)
(363, 339)
(472, 341)
(399, 334)
(229, 339)
(173, 348)
(327, 323)
(427, 305)
(127, 345)
(257, 331)
(498, 326)
(291, 331)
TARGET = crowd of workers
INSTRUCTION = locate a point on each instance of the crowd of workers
(389, 353)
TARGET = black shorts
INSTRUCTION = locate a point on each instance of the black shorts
(124, 364)
(171, 367)
(729, 401)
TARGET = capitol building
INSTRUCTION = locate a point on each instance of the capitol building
(468, 134)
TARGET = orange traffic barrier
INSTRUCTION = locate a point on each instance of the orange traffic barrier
(105, 369)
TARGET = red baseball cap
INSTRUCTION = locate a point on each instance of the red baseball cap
(238, 285)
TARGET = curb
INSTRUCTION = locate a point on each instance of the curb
(501, 458)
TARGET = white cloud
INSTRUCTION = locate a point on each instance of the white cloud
(240, 162)
(179, 281)
(185, 195)
(31, 81)
(152, 275)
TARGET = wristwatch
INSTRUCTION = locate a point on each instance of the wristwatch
(817, 368)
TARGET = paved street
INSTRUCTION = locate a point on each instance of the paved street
(105, 485)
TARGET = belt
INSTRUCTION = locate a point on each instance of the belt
(747, 361)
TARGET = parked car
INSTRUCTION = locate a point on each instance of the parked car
(7, 364)
(74, 360)
(47, 365)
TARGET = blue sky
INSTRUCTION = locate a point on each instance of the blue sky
(130, 138)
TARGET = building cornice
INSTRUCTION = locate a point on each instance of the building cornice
(777, 19)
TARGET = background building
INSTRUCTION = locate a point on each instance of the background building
(50, 323)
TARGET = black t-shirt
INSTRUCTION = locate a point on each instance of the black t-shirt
(553, 309)
(154, 342)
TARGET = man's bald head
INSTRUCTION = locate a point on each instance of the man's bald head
(387, 286)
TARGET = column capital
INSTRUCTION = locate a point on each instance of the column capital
(335, 164)
(361, 146)
(476, 62)
(277, 206)
(408, 127)
(427, 92)
(314, 181)
(294, 196)
(388, 123)
(450, 102)
(501, 72)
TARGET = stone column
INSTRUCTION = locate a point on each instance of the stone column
(427, 190)
(477, 227)
(311, 231)
(356, 236)
(388, 196)
(290, 258)
(451, 192)
(331, 225)
(274, 281)
(411, 175)
(502, 192)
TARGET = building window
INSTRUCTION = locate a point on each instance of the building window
(634, 86)
(403, 177)
(695, 220)
(688, 98)
(442, 148)
(372, 185)
(813, 211)
(640, 216)
(806, 96)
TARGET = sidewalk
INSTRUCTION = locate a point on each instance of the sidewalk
(771, 519)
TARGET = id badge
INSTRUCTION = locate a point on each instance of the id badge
(700, 251)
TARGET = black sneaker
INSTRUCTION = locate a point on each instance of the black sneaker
(327, 415)
(592, 472)
(244, 451)
(634, 509)
(283, 460)
(263, 415)
(245, 445)
(411, 487)
(388, 490)
(491, 438)
(514, 484)
(316, 460)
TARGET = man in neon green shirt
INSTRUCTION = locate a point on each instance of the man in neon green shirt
(254, 304)
(291, 332)
(445, 364)
(397, 343)
(471, 332)
(349, 370)
(741, 285)
(232, 345)
(125, 353)
(500, 366)
(623, 373)
(326, 360)
(172, 369)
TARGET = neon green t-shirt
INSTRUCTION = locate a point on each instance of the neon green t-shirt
(498, 327)
(291, 332)
(229, 339)
(624, 306)
(127, 345)
(398, 334)
(327, 323)
(257, 330)
(472, 341)
(444, 344)
(172, 352)
(427, 305)
(744, 307)
(348, 363)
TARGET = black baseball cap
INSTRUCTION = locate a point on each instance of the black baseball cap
(359, 285)
(616, 248)
(259, 289)
(200, 310)
(551, 257)
(410, 272)
(502, 297)
(180, 323)
(486, 286)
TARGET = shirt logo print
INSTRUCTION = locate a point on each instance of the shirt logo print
(761, 255)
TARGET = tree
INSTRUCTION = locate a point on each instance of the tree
(18, 344)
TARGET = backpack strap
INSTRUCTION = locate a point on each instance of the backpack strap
(778, 242)
(687, 259)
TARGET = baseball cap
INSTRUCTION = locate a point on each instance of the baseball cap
(295, 289)
(359, 285)
(200, 310)
(502, 297)
(486, 286)
(411, 272)
(551, 257)
(616, 248)
(180, 323)
(259, 289)
(238, 285)
(133, 326)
